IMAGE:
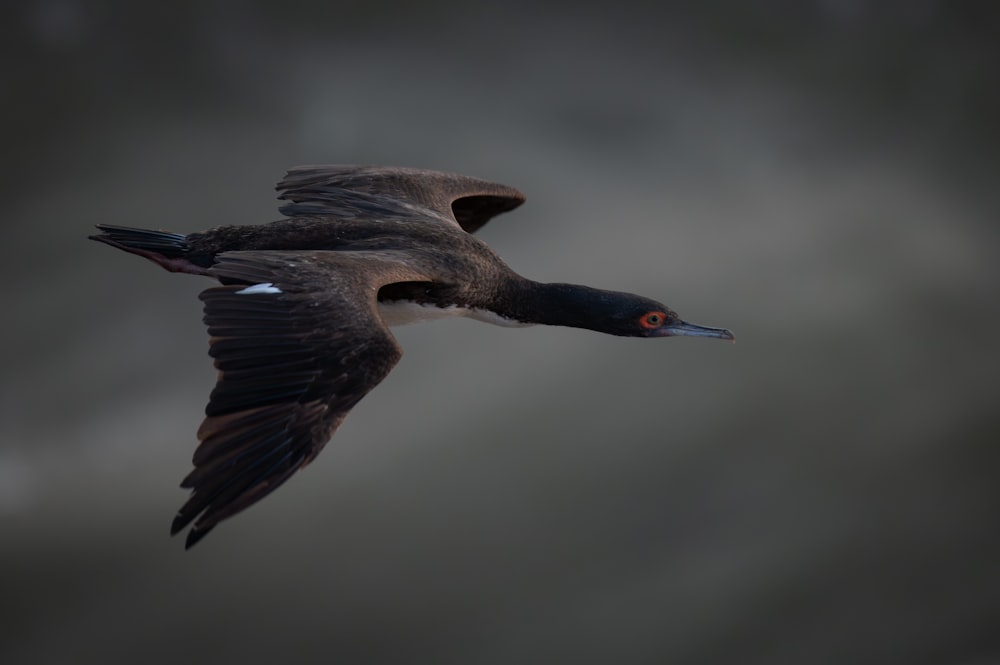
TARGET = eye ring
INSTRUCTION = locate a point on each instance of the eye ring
(652, 320)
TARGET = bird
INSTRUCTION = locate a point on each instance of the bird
(299, 323)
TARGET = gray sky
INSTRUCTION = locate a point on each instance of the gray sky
(821, 178)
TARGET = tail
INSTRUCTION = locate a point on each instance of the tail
(169, 250)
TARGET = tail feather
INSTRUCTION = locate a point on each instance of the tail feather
(169, 250)
(125, 237)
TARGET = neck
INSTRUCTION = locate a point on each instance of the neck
(569, 305)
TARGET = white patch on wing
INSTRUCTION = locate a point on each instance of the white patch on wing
(266, 287)
(404, 312)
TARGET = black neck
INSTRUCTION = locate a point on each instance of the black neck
(569, 305)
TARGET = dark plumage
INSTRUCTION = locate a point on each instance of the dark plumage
(299, 328)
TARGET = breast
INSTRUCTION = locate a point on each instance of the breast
(404, 312)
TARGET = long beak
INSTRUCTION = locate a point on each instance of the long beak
(685, 329)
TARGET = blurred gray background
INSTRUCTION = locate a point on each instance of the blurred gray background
(819, 176)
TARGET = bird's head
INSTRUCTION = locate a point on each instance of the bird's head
(617, 313)
(636, 316)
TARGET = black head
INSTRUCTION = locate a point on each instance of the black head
(635, 316)
(617, 313)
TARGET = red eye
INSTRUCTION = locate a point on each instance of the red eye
(651, 320)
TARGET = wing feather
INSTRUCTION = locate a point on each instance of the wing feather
(292, 363)
(377, 192)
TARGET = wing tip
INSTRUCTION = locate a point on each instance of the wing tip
(197, 532)
(194, 536)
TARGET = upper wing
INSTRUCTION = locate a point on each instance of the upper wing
(298, 342)
(395, 193)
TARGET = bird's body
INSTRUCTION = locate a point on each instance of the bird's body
(299, 327)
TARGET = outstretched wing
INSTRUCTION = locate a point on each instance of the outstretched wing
(298, 341)
(391, 192)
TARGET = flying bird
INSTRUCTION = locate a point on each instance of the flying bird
(299, 328)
